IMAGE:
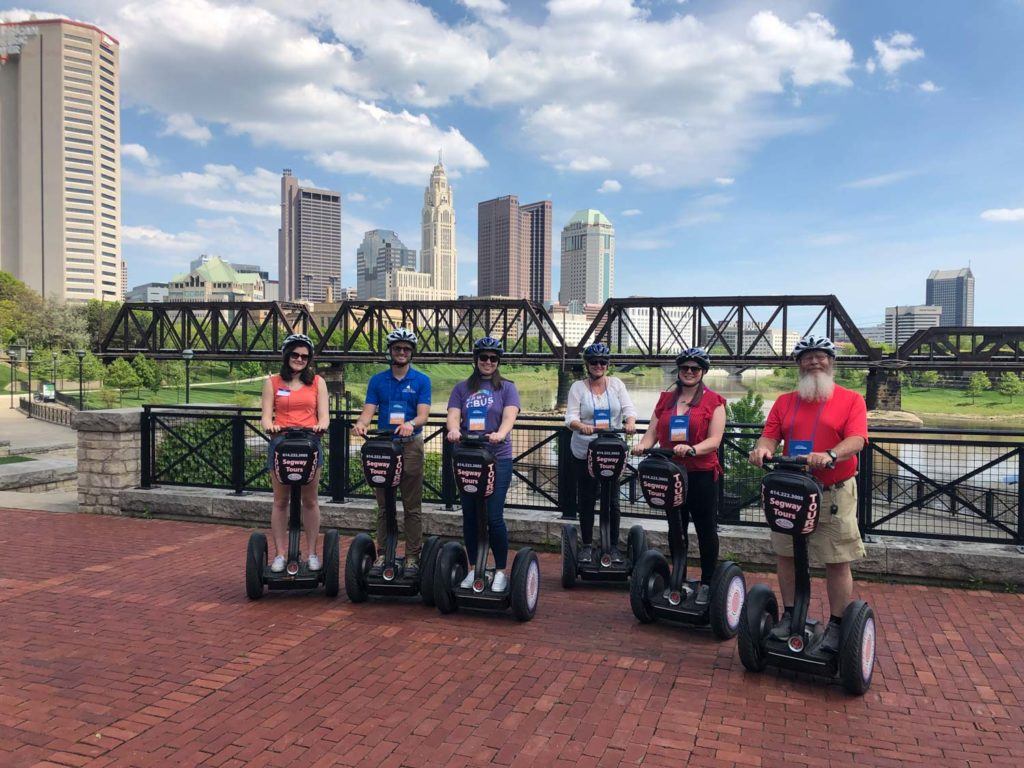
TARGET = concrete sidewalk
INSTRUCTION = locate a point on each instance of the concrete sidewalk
(32, 436)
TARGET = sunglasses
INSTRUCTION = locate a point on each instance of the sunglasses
(597, 362)
(299, 356)
(488, 358)
(690, 368)
(405, 350)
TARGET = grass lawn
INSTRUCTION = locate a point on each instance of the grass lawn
(956, 402)
(13, 459)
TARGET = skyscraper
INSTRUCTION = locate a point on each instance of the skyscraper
(588, 258)
(514, 249)
(381, 254)
(953, 290)
(902, 322)
(437, 244)
(308, 242)
(60, 158)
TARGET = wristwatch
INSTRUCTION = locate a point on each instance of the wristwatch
(692, 451)
(832, 455)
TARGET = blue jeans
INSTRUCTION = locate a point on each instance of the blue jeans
(497, 532)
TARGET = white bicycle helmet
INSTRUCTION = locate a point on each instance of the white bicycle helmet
(812, 343)
(296, 339)
(401, 334)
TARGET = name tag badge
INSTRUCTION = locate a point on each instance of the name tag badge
(284, 392)
(602, 418)
(800, 447)
(397, 414)
(477, 419)
(679, 428)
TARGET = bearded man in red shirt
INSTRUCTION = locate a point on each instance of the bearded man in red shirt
(828, 424)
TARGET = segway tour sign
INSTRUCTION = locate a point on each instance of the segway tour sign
(382, 463)
(791, 502)
(606, 456)
(662, 482)
(295, 460)
(474, 472)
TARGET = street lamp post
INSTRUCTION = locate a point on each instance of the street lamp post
(81, 357)
(187, 355)
(54, 355)
(10, 356)
(28, 356)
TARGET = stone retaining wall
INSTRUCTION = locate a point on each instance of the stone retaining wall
(109, 448)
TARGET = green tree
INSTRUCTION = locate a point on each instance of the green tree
(978, 383)
(250, 369)
(121, 376)
(173, 373)
(929, 378)
(1010, 385)
(148, 373)
(20, 308)
(99, 317)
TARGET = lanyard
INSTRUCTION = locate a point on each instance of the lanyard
(593, 398)
(792, 421)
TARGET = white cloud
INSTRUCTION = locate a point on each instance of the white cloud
(154, 238)
(184, 125)
(724, 181)
(632, 212)
(609, 185)
(355, 197)
(220, 188)
(929, 87)
(491, 6)
(567, 161)
(893, 53)
(1003, 214)
(882, 180)
(138, 153)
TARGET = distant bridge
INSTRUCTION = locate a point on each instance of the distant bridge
(741, 331)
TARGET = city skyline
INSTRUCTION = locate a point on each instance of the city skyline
(837, 148)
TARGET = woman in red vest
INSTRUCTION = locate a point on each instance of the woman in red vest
(295, 397)
(689, 419)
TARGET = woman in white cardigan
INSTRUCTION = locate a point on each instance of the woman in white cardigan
(597, 402)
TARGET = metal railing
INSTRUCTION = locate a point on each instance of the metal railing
(962, 485)
(45, 412)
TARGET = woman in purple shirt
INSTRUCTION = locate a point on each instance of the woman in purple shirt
(487, 403)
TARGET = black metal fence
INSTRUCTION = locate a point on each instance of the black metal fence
(46, 412)
(953, 484)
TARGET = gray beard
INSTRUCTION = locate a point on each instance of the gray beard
(816, 387)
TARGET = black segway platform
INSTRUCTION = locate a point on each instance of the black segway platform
(473, 465)
(661, 591)
(295, 463)
(791, 498)
(382, 466)
(606, 460)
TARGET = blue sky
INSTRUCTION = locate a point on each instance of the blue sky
(738, 147)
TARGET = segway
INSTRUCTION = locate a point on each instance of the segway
(382, 466)
(606, 458)
(473, 465)
(658, 591)
(791, 498)
(295, 464)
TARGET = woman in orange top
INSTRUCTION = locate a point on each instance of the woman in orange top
(295, 397)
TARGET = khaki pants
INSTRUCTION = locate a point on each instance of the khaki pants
(412, 495)
(837, 537)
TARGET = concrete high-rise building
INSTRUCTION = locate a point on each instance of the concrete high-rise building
(953, 290)
(308, 242)
(380, 254)
(902, 322)
(437, 244)
(60, 159)
(588, 258)
(514, 249)
(536, 223)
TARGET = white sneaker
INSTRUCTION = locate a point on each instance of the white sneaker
(500, 583)
(468, 581)
(278, 565)
(313, 562)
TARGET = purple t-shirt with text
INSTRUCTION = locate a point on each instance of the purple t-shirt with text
(494, 402)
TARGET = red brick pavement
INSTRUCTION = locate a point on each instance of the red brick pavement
(130, 643)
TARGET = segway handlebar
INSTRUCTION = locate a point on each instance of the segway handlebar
(798, 463)
(667, 453)
(474, 438)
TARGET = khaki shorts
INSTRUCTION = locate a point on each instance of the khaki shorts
(837, 537)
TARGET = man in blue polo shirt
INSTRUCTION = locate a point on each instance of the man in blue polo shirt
(400, 396)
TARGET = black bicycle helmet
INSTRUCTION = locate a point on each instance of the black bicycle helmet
(812, 343)
(597, 351)
(488, 344)
(697, 355)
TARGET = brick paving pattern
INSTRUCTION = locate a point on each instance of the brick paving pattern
(130, 643)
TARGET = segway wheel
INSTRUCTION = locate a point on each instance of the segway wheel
(636, 544)
(255, 562)
(570, 548)
(857, 647)
(332, 563)
(525, 584)
(759, 616)
(728, 594)
(451, 568)
(428, 561)
(650, 576)
(361, 554)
